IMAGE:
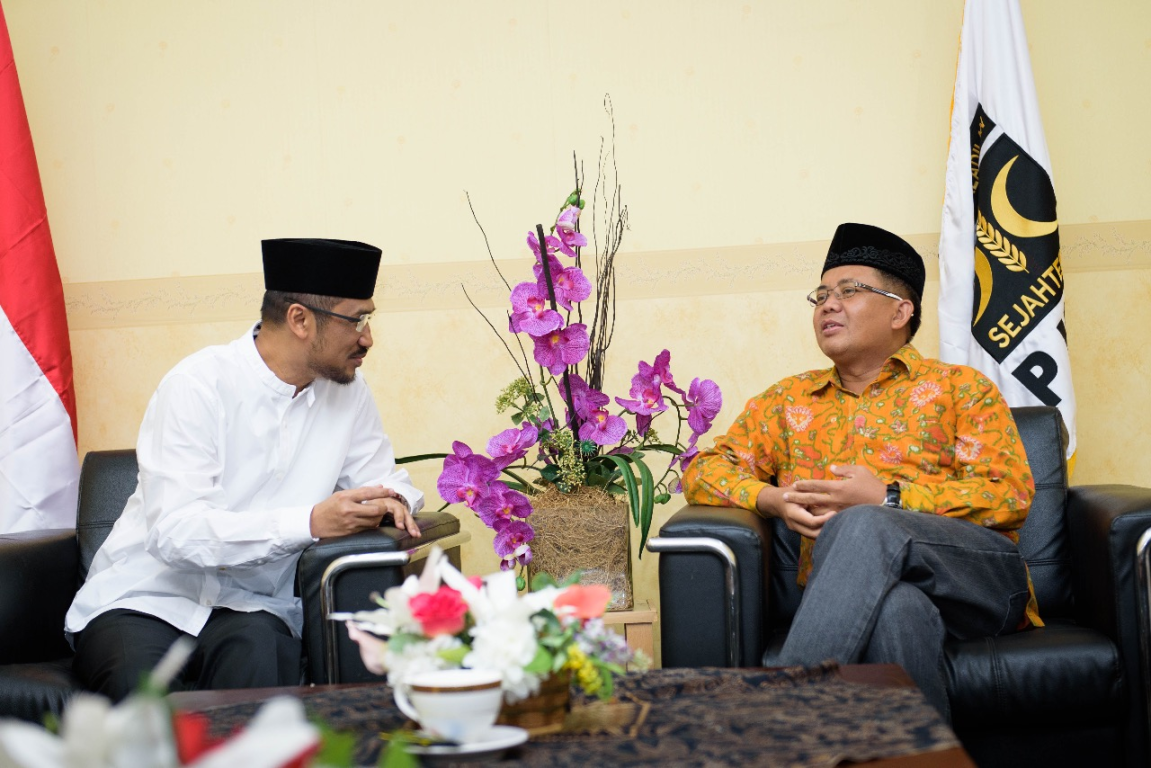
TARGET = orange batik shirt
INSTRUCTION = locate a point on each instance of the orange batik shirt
(943, 432)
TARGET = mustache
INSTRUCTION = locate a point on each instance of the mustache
(361, 352)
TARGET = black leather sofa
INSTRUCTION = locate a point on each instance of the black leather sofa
(43, 569)
(1072, 693)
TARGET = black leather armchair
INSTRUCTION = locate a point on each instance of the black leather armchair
(43, 569)
(1071, 693)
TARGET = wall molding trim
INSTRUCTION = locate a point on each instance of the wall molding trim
(739, 269)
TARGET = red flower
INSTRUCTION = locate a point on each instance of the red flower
(439, 613)
(191, 732)
(588, 602)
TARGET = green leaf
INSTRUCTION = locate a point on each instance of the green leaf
(336, 747)
(517, 417)
(401, 640)
(542, 580)
(395, 755)
(455, 655)
(542, 662)
(545, 413)
(628, 479)
(647, 504)
(550, 473)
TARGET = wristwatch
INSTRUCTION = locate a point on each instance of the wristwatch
(893, 498)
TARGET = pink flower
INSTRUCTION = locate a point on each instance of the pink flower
(569, 238)
(511, 445)
(558, 349)
(531, 312)
(440, 613)
(466, 476)
(372, 649)
(553, 244)
(603, 428)
(660, 373)
(588, 602)
(569, 283)
(511, 543)
(586, 399)
(703, 401)
(502, 504)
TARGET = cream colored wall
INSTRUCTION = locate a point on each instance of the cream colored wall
(173, 136)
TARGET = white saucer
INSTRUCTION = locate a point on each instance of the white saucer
(499, 738)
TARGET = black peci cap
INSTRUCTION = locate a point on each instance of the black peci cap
(343, 268)
(874, 247)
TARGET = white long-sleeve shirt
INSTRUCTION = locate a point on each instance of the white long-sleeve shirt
(231, 465)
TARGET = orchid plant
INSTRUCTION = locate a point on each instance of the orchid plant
(443, 620)
(558, 406)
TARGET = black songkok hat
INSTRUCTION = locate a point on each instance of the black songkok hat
(342, 268)
(874, 247)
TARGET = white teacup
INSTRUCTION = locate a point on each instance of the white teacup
(456, 704)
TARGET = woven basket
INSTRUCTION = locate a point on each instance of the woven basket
(585, 531)
(544, 712)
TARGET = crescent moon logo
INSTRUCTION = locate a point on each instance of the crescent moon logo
(984, 277)
(1009, 218)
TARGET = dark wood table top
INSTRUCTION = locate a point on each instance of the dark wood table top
(867, 674)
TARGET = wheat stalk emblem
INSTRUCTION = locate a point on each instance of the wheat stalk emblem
(998, 245)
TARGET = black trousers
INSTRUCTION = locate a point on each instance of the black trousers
(234, 650)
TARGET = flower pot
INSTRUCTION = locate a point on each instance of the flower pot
(545, 711)
(586, 531)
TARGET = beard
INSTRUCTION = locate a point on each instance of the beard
(327, 370)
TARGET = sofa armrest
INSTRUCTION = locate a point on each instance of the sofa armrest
(1106, 523)
(36, 589)
(713, 571)
(386, 556)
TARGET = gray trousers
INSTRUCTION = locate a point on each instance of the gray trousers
(890, 585)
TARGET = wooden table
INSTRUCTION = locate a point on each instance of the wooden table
(882, 675)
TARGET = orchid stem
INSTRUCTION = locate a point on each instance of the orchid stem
(552, 298)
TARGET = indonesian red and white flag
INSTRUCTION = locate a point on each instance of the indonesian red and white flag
(39, 470)
(1001, 278)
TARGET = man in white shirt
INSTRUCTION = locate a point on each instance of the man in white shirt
(240, 451)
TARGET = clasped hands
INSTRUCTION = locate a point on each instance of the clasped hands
(806, 505)
(361, 509)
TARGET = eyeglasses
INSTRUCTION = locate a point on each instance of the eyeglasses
(361, 322)
(845, 290)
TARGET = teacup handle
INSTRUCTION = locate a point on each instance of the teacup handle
(402, 702)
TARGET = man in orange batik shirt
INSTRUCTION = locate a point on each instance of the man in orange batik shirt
(905, 476)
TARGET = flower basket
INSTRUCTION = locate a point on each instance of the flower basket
(586, 531)
(543, 712)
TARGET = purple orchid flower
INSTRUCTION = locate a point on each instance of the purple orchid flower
(703, 402)
(502, 504)
(553, 244)
(531, 312)
(466, 477)
(511, 543)
(603, 428)
(569, 238)
(559, 349)
(647, 398)
(660, 373)
(586, 399)
(683, 459)
(569, 283)
(511, 445)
